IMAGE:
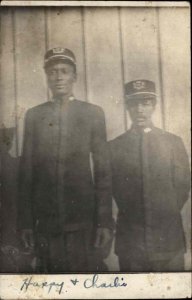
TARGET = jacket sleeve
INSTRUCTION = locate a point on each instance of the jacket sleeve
(102, 172)
(181, 172)
(25, 218)
(113, 172)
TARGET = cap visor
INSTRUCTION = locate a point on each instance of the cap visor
(59, 58)
(141, 95)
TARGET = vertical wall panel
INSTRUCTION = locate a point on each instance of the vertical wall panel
(30, 48)
(140, 48)
(175, 49)
(8, 76)
(7, 69)
(65, 30)
(104, 65)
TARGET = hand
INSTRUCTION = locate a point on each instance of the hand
(10, 250)
(103, 236)
(27, 238)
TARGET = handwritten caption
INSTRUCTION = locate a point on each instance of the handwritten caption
(90, 282)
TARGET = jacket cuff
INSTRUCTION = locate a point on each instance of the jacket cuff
(106, 222)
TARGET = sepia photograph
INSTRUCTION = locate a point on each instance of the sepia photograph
(95, 139)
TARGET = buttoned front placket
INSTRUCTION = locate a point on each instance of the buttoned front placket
(146, 188)
(62, 115)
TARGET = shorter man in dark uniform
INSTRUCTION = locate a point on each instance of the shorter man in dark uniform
(151, 183)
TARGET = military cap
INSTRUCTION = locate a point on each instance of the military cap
(140, 88)
(59, 53)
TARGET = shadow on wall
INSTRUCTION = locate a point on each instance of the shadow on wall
(12, 257)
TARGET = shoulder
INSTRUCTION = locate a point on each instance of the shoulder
(39, 109)
(168, 136)
(119, 141)
(118, 148)
(88, 108)
(170, 140)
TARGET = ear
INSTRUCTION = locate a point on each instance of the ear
(75, 77)
(127, 106)
(47, 79)
(154, 105)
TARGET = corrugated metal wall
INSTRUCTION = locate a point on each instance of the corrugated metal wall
(112, 45)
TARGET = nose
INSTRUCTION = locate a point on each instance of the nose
(59, 75)
(139, 108)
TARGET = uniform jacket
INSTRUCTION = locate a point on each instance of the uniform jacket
(82, 199)
(151, 183)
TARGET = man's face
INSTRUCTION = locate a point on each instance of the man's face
(141, 111)
(61, 77)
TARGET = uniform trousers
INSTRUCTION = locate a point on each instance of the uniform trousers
(142, 263)
(72, 251)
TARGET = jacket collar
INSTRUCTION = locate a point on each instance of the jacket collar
(136, 129)
(70, 99)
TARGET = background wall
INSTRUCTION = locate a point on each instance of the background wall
(112, 45)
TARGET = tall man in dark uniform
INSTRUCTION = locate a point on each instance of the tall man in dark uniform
(64, 211)
(151, 183)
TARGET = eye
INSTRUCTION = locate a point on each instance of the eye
(51, 72)
(146, 103)
(63, 71)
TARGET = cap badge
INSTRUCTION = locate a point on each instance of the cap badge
(58, 50)
(147, 130)
(138, 85)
